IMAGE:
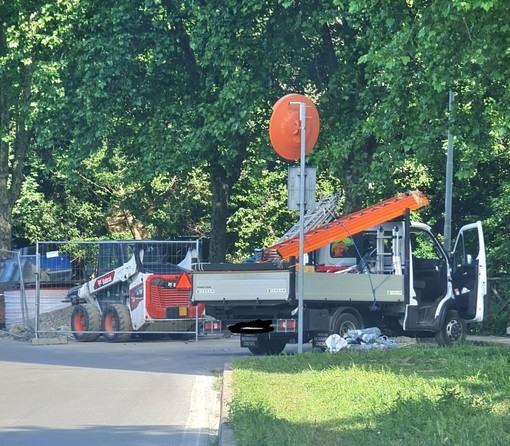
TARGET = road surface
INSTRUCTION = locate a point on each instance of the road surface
(161, 393)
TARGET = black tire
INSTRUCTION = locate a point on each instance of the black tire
(453, 331)
(256, 350)
(182, 336)
(147, 336)
(346, 321)
(269, 346)
(116, 321)
(84, 319)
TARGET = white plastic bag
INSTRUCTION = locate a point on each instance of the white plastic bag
(335, 343)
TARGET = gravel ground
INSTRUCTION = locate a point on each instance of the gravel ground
(51, 324)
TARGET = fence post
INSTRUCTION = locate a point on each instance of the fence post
(37, 288)
(2, 311)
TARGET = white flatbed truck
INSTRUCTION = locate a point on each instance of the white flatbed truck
(395, 275)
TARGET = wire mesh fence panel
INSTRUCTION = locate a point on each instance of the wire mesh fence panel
(497, 309)
(115, 289)
(17, 305)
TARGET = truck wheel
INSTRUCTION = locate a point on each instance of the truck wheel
(453, 330)
(255, 350)
(346, 321)
(182, 336)
(116, 321)
(85, 318)
(269, 346)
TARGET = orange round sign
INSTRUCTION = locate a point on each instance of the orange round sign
(284, 126)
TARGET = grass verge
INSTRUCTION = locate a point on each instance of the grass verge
(410, 396)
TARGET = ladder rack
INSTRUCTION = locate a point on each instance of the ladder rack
(324, 212)
(349, 225)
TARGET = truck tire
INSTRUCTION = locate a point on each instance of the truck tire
(453, 331)
(116, 321)
(268, 346)
(85, 318)
(182, 336)
(346, 321)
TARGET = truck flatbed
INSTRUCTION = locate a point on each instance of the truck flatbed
(275, 287)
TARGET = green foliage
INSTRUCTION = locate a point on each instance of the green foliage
(497, 308)
(258, 213)
(30, 34)
(152, 116)
(414, 396)
(37, 217)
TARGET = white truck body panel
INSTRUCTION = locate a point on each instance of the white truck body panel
(243, 286)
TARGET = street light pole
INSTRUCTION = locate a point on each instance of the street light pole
(449, 179)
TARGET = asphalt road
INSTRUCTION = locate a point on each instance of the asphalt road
(136, 393)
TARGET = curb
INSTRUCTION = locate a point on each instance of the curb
(225, 433)
(489, 340)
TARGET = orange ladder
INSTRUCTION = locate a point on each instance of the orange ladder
(351, 224)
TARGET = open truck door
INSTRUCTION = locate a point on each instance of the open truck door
(469, 272)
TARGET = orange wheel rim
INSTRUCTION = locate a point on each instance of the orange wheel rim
(110, 323)
(284, 126)
(79, 322)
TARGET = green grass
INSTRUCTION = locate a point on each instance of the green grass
(407, 396)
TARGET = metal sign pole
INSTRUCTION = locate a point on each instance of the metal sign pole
(282, 132)
(302, 183)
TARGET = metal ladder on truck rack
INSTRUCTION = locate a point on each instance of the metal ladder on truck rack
(351, 224)
(324, 212)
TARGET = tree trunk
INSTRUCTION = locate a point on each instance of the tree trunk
(15, 97)
(5, 205)
(220, 188)
(5, 226)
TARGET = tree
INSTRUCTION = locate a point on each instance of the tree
(164, 106)
(432, 47)
(15, 132)
(160, 85)
(30, 34)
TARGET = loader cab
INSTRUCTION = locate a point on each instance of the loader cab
(111, 256)
(154, 257)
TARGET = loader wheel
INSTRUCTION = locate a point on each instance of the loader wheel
(453, 330)
(85, 318)
(116, 321)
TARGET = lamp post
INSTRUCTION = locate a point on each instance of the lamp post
(449, 179)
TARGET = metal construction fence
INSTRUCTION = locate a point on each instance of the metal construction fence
(497, 308)
(37, 284)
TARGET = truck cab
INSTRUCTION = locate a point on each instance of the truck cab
(435, 285)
